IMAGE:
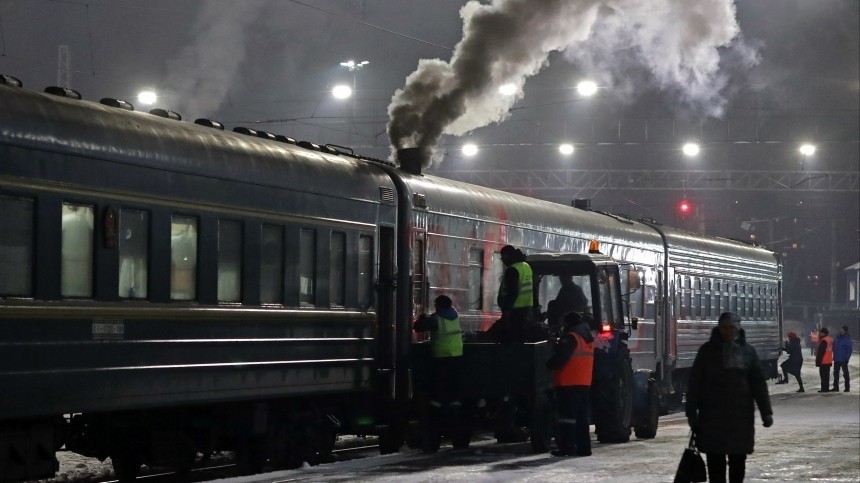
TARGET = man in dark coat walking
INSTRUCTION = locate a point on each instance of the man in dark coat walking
(725, 384)
(794, 362)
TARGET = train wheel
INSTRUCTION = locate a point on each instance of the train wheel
(390, 440)
(612, 404)
(649, 429)
(126, 463)
(250, 455)
(543, 421)
(461, 438)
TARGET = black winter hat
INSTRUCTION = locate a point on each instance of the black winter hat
(824, 330)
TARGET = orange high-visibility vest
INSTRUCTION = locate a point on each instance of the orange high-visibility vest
(827, 358)
(577, 370)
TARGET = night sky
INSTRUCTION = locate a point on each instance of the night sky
(790, 74)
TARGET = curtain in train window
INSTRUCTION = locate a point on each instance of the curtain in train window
(337, 266)
(16, 246)
(476, 277)
(272, 265)
(307, 268)
(76, 272)
(498, 268)
(365, 270)
(183, 258)
(133, 253)
(229, 261)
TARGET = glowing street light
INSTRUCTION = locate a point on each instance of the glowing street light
(566, 149)
(470, 149)
(586, 88)
(508, 89)
(341, 91)
(147, 97)
(353, 65)
(690, 149)
(807, 149)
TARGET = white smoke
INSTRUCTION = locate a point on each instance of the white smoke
(508, 41)
(205, 71)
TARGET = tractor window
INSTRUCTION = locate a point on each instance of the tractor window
(610, 305)
(560, 294)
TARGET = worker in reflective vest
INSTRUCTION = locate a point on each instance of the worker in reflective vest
(572, 363)
(515, 298)
(446, 347)
(824, 358)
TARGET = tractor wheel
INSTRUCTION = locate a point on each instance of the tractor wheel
(649, 429)
(612, 404)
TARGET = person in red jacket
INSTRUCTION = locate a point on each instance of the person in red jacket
(572, 363)
(824, 358)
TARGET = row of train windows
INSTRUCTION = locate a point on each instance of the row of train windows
(701, 297)
(77, 253)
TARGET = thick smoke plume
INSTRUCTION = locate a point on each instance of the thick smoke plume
(204, 71)
(508, 41)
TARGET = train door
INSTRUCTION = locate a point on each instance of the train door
(385, 286)
(419, 273)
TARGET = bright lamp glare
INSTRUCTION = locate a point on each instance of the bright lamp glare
(147, 97)
(508, 89)
(341, 91)
(470, 149)
(691, 149)
(807, 150)
(586, 88)
(566, 149)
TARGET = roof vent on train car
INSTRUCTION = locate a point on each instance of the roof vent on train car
(245, 130)
(411, 159)
(165, 114)
(209, 123)
(8, 80)
(118, 103)
(340, 149)
(63, 92)
(284, 139)
(581, 203)
(266, 135)
(309, 145)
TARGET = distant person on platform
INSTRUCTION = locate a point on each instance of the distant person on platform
(572, 364)
(824, 358)
(813, 341)
(794, 362)
(726, 384)
(446, 347)
(842, 348)
(515, 298)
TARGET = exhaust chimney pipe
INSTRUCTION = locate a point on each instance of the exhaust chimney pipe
(410, 159)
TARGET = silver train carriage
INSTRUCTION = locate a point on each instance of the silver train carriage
(167, 281)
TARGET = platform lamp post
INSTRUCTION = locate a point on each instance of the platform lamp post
(354, 67)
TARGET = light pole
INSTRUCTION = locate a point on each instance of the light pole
(806, 150)
(354, 67)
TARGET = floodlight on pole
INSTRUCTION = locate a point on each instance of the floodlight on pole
(353, 65)
(586, 88)
(566, 149)
(147, 97)
(470, 149)
(690, 149)
(341, 91)
(807, 149)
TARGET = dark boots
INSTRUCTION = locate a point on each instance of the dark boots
(784, 379)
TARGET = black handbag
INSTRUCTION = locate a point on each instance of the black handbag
(692, 466)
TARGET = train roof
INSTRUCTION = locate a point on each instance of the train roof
(51, 123)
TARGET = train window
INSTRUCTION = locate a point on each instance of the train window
(706, 298)
(687, 304)
(77, 251)
(609, 306)
(229, 261)
(183, 258)
(365, 270)
(757, 301)
(636, 299)
(498, 268)
(272, 265)
(696, 307)
(307, 268)
(650, 296)
(418, 295)
(16, 246)
(476, 272)
(733, 297)
(337, 266)
(133, 253)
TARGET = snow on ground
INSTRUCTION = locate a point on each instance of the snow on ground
(815, 437)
